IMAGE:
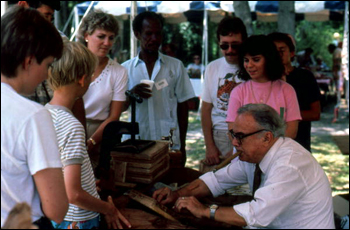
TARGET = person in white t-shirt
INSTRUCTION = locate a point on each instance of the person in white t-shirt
(70, 78)
(219, 80)
(31, 170)
(104, 100)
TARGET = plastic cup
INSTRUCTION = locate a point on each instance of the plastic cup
(150, 83)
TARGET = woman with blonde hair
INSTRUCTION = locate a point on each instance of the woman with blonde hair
(104, 100)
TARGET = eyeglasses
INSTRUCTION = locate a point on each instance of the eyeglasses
(233, 46)
(240, 136)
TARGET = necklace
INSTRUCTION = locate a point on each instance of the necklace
(261, 99)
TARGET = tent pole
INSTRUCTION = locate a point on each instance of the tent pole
(133, 40)
(68, 21)
(4, 6)
(345, 53)
(205, 35)
(204, 52)
(77, 19)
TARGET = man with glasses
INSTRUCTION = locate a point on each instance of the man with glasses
(290, 189)
(220, 78)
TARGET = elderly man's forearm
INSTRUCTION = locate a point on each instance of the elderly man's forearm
(196, 188)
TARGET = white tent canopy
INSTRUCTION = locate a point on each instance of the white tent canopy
(173, 11)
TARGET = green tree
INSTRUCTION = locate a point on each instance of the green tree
(317, 35)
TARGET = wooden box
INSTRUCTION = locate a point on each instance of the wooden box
(147, 166)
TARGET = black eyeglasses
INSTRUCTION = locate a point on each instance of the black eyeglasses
(233, 46)
(241, 136)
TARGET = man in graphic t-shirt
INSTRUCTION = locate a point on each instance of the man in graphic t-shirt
(219, 80)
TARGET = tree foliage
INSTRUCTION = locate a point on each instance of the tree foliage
(317, 35)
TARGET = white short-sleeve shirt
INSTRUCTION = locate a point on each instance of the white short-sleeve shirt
(158, 114)
(219, 80)
(28, 145)
(109, 86)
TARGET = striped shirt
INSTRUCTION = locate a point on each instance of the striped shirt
(71, 143)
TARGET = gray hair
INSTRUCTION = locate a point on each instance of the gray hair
(266, 117)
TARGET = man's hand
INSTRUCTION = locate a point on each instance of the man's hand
(193, 205)
(165, 195)
(212, 154)
(114, 216)
(142, 90)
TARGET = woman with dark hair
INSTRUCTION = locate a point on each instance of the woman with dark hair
(262, 69)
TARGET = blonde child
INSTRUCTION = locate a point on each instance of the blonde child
(70, 78)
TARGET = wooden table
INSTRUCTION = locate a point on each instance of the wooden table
(142, 217)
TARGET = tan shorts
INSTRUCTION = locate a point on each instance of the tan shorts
(222, 142)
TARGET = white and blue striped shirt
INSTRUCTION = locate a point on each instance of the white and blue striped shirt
(72, 147)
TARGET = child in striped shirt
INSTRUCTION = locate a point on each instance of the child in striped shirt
(70, 78)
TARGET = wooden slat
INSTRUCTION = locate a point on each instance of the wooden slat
(151, 203)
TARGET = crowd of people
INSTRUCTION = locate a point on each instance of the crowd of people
(254, 101)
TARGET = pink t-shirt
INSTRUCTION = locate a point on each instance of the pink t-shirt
(278, 94)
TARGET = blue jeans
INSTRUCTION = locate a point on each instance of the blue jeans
(88, 224)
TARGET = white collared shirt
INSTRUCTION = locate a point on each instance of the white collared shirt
(294, 191)
(158, 114)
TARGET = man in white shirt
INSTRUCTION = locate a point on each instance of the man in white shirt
(290, 188)
(219, 80)
(165, 105)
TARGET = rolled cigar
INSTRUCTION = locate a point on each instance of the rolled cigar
(227, 161)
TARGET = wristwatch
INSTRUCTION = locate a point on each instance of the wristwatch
(213, 209)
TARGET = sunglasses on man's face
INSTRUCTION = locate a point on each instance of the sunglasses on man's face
(226, 46)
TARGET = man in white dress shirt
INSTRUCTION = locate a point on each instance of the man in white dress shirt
(292, 191)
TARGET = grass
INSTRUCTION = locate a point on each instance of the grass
(333, 162)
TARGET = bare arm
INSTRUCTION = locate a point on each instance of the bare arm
(314, 114)
(196, 188)
(114, 115)
(82, 199)
(79, 111)
(51, 188)
(223, 214)
(212, 152)
(292, 129)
